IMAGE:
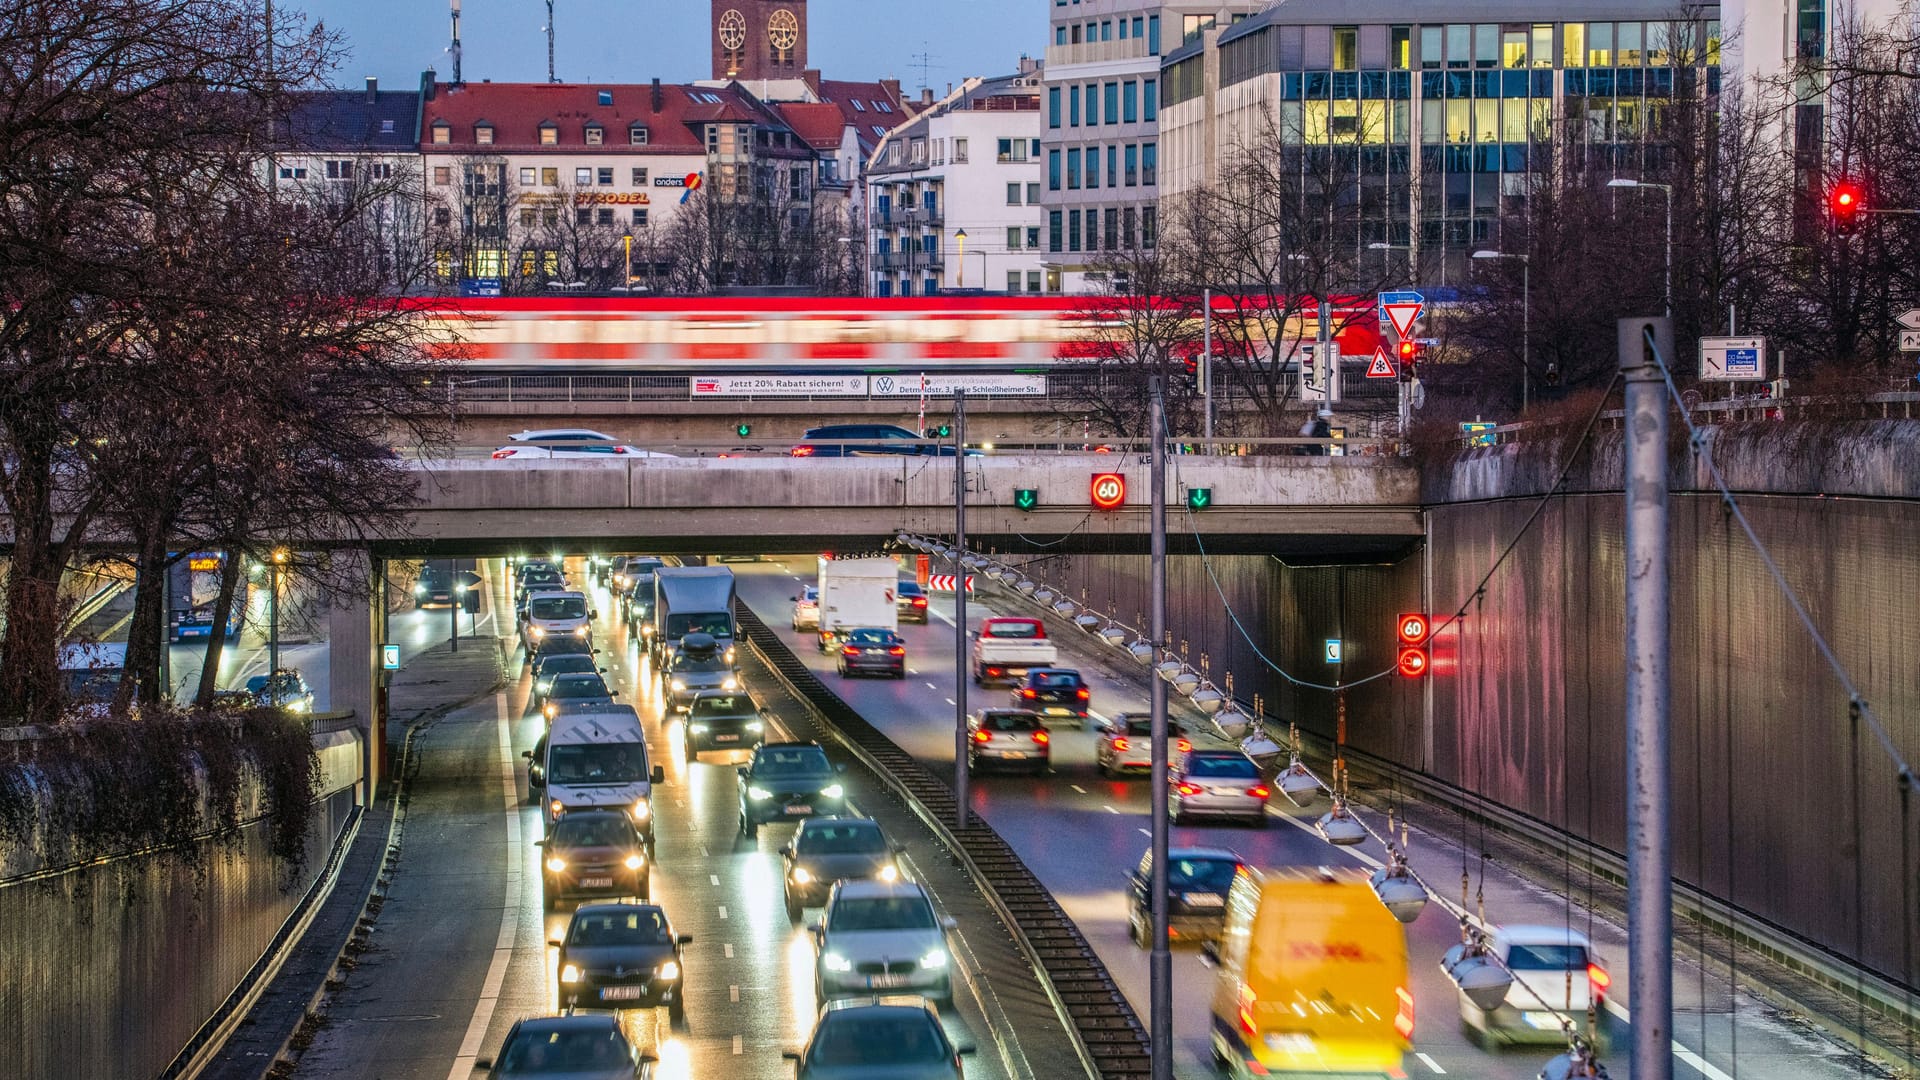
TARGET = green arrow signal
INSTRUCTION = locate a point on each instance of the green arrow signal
(1026, 498)
(1199, 498)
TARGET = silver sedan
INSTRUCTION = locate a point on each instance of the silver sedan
(1217, 783)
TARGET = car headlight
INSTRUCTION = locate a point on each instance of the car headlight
(419, 590)
(538, 632)
(555, 808)
(460, 588)
(580, 631)
(833, 791)
(300, 706)
(759, 794)
(556, 864)
(647, 629)
(934, 960)
(889, 872)
(669, 970)
(543, 686)
(836, 962)
(697, 728)
(679, 685)
(730, 683)
(754, 725)
(729, 656)
(801, 876)
(636, 861)
(569, 973)
(551, 709)
(642, 809)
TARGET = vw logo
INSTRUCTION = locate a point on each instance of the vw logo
(883, 384)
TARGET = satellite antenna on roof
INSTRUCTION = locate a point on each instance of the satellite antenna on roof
(456, 42)
(924, 60)
(551, 77)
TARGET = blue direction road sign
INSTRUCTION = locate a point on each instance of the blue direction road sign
(1402, 309)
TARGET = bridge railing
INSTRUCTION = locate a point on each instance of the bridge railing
(1118, 451)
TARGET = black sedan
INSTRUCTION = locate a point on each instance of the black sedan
(911, 600)
(582, 1047)
(593, 853)
(622, 956)
(1053, 692)
(575, 691)
(829, 849)
(722, 720)
(788, 781)
(871, 651)
(549, 666)
(1197, 884)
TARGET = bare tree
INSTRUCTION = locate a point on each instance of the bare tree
(1143, 324)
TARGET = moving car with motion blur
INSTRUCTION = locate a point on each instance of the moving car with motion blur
(284, 689)
(806, 609)
(593, 853)
(1008, 737)
(1124, 744)
(873, 651)
(1197, 882)
(635, 574)
(548, 666)
(570, 443)
(552, 616)
(1054, 692)
(911, 600)
(859, 440)
(575, 692)
(622, 956)
(1320, 936)
(896, 1037)
(573, 1047)
(882, 936)
(788, 781)
(1216, 784)
(700, 663)
(1555, 973)
(829, 849)
(1008, 648)
(722, 720)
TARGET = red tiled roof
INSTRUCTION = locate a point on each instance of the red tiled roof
(516, 111)
(819, 123)
(871, 95)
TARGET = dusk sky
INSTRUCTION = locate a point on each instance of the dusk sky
(636, 40)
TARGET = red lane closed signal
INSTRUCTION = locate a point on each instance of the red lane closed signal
(1413, 661)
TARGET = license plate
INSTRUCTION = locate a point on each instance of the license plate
(871, 652)
(1056, 710)
(1013, 753)
(882, 982)
(596, 883)
(1016, 671)
(1229, 791)
(726, 738)
(799, 808)
(620, 993)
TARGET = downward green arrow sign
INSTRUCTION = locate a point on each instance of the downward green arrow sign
(1199, 498)
(1026, 498)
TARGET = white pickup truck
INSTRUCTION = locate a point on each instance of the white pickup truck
(1009, 648)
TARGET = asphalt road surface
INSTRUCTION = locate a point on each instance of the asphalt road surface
(1082, 833)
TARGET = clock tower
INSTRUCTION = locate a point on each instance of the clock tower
(759, 39)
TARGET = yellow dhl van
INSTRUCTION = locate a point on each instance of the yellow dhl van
(1312, 977)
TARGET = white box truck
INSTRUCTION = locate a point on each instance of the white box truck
(856, 594)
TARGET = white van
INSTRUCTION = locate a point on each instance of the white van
(556, 616)
(595, 759)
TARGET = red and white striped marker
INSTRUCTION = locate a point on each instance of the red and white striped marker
(944, 582)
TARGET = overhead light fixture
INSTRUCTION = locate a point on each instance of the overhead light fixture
(1474, 971)
(1398, 889)
(1208, 699)
(1300, 787)
(1142, 650)
(1340, 828)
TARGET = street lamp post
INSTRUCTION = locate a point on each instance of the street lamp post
(1526, 319)
(1668, 189)
(960, 242)
(275, 563)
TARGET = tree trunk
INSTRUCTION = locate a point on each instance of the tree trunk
(29, 661)
(142, 675)
(230, 572)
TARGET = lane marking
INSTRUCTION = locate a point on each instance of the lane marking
(728, 947)
(1310, 830)
(1429, 1063)
(723, 911)
(1146, 832)
(739, 1045)
(733, 993)
(1110, 808)
(713, 879)
(930, 686)
(950, 701)
(1078, 788)
(509, 915)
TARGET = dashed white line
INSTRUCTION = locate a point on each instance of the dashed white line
(949, 701)
(509, 916)
(1429, 1062)
(733, 993)
(727, 948)
(713, 878)
(739, 1045)
(1146, 832)
(1110, 809)
(930, 686)
(723, 913)
(1078, 788)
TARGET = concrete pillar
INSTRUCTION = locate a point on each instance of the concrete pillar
(353, 661)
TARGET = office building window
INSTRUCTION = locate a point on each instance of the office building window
(1033, 193)
(1149, 226)
(1129, 219)
(959, 151)
(1013, 194)
(1053, 230)
(1073, 106)
(526, 176)
(1111, 217)
(1153, 34)
(1111, 93)
(1093, 230)
(1053, 106)
(1033, 281)
(1073, 230)
(1059, 35)
(1053, 170)
(1073, 171)
(1013, 238)
(605, 175)
(640, 216)
(1033, 237)
(1013, 281)
(604, 216)
(1130, 101)
(1093, 166)
(1400, 55)
(1106, 30)
(1573, 45)
(1542, 53)
(1113, 163)
(550, 177)
(1150, 93)
(640, 176)
(1149, 164)
(1346, 48)
(1133, 164)
(1093, 104)
(583, 176)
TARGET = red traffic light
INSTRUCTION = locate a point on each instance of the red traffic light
(1845, 201)
(1408, 350)
(1413, 661)
(1413, 628)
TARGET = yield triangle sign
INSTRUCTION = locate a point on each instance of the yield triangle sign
(1403, 315)
(1380, 367)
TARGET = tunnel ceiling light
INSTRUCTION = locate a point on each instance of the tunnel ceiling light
(1187, 682)
(1300, 787)
(1231, 722)
(1115, 635)
(1578, 1062)
(1484, 982)
(1142, 650)
(1340, 828)
(1167, 669)
(1398, 889)
(1065, 607)
(1044, 595)
(1208, 699)
(1089, 623)
(1026, 586)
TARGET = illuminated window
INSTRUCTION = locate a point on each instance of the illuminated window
(1346, 48)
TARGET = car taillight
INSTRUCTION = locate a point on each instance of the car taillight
(498, 454)
(1188, 789)
(1040, 737)
(802, 451)
(1185, 745)
(897, 651)
(1598, 978)
(1259, 791)
(919, 601)
(982, 736)
(619, 449)
(1082, 693)
(1403, 1018)
(993, 673)
(851, 650)
(1029, 693)
(1120, 745)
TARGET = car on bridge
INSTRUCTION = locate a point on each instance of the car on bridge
(593, 853)
(1217, 784)
(1124, 744)
(868, 440)
(870, 651)
(284, 689)
(1008, 737)
(882, 936)
(1054, 692)
(898, 1037)
(622, 956)
(829, 849)
(787, 781)
(579, 1047)
(571, 443)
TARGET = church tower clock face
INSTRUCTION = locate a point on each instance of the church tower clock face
(783, 30)
(733, 29)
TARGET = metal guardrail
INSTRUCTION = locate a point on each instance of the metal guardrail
(1116, 451)
(1109, 1037)
(1893, 405)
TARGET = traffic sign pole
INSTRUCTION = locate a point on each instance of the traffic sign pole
(960, 657)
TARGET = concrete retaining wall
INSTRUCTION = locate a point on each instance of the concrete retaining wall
(112, 966)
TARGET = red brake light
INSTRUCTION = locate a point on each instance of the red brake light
(502, 453)
(619, 449)
(982, 736)
(1185, 745)
(993, 673)
(1259, 791)
(1598, 976)
(1403, 1019)
(897, 651)
(1029, 693)
(919, 601)
(1040, 737)
(1120, 744)
(802, 451)
(1082, 693)
(851, 650)
(1246, 1009)
(1188, 789)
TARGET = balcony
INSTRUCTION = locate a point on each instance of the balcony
(908, 260)
(906, 219)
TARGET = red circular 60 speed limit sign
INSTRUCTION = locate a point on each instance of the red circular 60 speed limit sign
(1109, 491)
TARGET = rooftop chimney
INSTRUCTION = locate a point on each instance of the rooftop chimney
(658, 100)
(373, 90)
(926, 95)
(428, 83)
(892, 88)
